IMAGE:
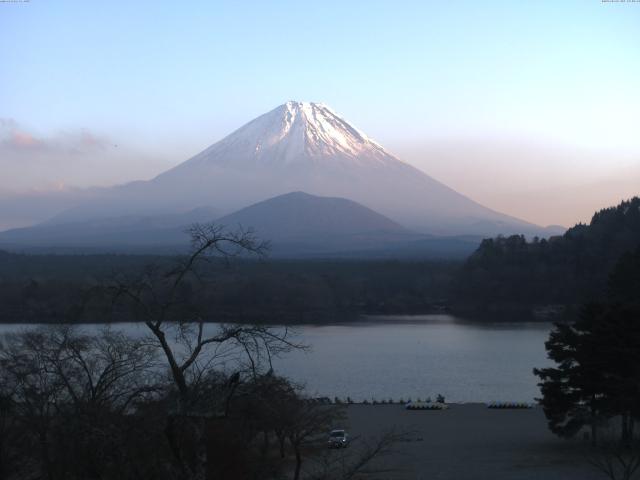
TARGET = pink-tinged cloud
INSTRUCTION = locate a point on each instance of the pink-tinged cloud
(23, 140)
(14, 137)
(82, 141)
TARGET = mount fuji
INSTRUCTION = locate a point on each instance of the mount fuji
(301, 147)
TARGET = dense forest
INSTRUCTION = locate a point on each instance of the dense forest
(511, 273)
(54, 288)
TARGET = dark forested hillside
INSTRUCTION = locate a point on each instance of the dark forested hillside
(511, 271)
(53, 288)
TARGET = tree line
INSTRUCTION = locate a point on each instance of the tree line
(63, 288)
(515, 273)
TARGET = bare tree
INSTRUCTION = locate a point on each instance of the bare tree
(104, 372)
(11, 435)
(71, 391)
(163, 298)
(34, 391)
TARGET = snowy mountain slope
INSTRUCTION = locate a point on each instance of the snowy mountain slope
(306, 147)
(292, 133)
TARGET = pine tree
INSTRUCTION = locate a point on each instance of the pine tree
(574, 392)
(598, 360)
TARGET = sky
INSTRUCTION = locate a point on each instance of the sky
(531, 108)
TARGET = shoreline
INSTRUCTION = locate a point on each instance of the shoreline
(349, 318)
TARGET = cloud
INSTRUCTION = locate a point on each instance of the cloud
(33, 162)
(14, 137)
(23, 140)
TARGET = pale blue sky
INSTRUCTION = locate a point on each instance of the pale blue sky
(165, 79)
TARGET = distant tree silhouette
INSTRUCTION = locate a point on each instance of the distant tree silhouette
(561, 270)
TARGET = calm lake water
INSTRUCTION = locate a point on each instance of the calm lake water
(413, 356)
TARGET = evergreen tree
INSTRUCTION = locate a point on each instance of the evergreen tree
(574, 392)
(598, 360)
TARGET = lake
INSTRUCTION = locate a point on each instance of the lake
(413, 356)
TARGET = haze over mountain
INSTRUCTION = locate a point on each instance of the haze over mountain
(296, 224)
(306, 147)
(298, 215)
(165, 232)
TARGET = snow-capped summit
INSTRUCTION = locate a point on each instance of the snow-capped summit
(291, 133)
